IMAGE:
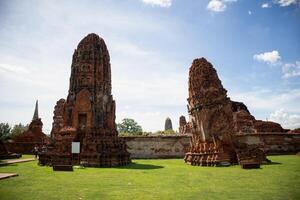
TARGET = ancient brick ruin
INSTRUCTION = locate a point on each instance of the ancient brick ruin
(244, 122)
(25, 142)
(168, 124)
(215, 121)
(5, 153)
(211, 117)
(184, 126)
(88, 114)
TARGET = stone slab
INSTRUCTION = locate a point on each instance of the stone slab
(7, 175)
(13, 161)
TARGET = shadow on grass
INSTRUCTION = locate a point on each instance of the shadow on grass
(7, 164)
(273, 163)
(3, 163)
(139, 166)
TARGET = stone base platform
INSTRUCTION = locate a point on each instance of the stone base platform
(94, 152)
(13, 161)
(207, 159)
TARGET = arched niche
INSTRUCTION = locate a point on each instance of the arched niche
(82, 112)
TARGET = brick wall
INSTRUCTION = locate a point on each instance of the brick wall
(173, 146)
(274, 143)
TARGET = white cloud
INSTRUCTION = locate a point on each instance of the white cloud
(264, 103)
(268, 100)
(161, 3)
(13, 69)
(139, 70)
(266, 5)
(288, 69)
(150, 99)
(218, 5)
(269, 57)
(291, 69)
(249, 12)
(284, 3)
(286, 119)
(146, 87)
(129, 49)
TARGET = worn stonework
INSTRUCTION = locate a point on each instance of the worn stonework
(244, 122)
(58, 121)
(88, 113)
(216, 120)
(25, 142)
(168, 124)
(157, 146)
(184, 127)
(297, 130)
(273, 143)
(211, 117)
(176, 146)
(267, 126)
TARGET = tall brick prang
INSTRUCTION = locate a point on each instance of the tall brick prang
(88, 114)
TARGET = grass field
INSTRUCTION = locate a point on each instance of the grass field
(155, 179)
(27, 156)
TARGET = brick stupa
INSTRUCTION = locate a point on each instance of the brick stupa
(88, 114)
(210, 116)
(33, 136)
(215, 121)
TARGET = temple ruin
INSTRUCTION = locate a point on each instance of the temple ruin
(168, 124)
(5, 153)
(25, 142)
(215, 120)
(184, 126)
(88, 114)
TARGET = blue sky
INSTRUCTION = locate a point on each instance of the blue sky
(254, 45)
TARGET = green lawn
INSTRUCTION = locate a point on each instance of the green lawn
(24, 156)
(156, 179)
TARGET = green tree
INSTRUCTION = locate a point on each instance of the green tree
(130, 127)
(4, 131)
(18, 129)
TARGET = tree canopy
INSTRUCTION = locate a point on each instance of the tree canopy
(130, 127)
(4, 131)
(7, 132)
(18, 129)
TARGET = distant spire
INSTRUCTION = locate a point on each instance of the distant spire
(36, 112)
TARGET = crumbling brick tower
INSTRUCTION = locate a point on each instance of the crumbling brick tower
(211, 117)
(184, 127)
(88, 113)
